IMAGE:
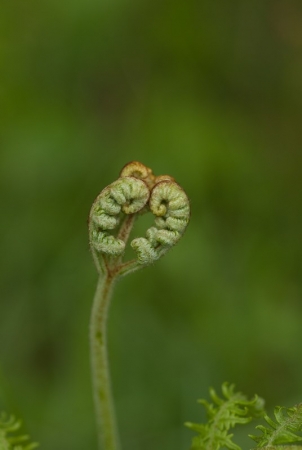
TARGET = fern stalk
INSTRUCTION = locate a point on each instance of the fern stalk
(103, 401)
(112, 215)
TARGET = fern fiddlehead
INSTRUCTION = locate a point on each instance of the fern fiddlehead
(170, 206)
(127, 196)
(113, 213)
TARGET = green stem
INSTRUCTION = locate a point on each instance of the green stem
(126, 227)
(106, 425)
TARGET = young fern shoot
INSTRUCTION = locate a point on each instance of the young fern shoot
(223, 414)
(285, 430)
(234, 408)
(137, 191)
(9, 440)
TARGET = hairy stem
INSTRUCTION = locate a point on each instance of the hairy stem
(106, 425)
(126, 228)
(135, 192)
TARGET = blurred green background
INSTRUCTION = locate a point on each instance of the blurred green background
(208, 91)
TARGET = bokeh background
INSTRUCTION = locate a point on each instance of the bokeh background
(208, 91)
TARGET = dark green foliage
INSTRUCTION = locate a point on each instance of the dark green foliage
(224, 414)
(8, 439)
(282, 431)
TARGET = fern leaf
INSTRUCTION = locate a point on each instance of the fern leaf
(282, 431)
(8, 439)
(223, 414)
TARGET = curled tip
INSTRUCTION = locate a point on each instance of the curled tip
(171, 208)
(138, 189)
(138, 170)
(136, 194)
(126, 195)
(170, 200)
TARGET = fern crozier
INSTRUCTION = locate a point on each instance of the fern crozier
(126, 195)
(171, 208)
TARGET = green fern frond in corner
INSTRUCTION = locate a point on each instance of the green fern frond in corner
(224, 414)
(282, 431)
(8, 439)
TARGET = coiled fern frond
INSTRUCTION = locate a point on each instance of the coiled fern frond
(9, 440)
(282, 431)
(224, 414)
